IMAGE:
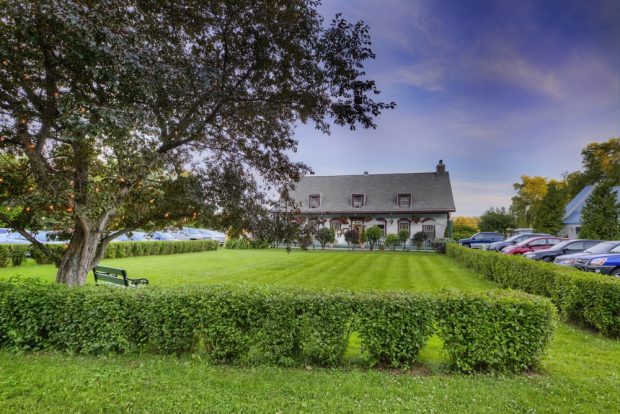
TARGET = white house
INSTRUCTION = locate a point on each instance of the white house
(393, 202)
(572, 212)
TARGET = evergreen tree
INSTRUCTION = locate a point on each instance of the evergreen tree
(550, 211)
(599, 216)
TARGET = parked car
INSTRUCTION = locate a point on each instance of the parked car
(179, 235)
(132, 236)
(162, 236)
(565, 247)
(601, 248)
(213, 235)
(517, 238)
(4, 233)
(483, 238)
(193, 234)
(606, 264)
(41, 236)
(532, 244)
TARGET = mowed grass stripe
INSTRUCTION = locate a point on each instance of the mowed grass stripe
(359, 270)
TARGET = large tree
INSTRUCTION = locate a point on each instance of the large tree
(530, 191)
(599, 216)
(550, 210)
(601, 161)
(497, 219)
(123, 114)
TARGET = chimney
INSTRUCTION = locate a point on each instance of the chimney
(441, 168)
(365, 172)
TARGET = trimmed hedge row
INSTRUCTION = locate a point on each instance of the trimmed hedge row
(586, 298)
(14, 254)
(501, 331)
(17, 252)
(243, 243)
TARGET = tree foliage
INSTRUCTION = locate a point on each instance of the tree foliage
(403, 236)
(601, 161)
(497, 219)
(373, 235)
(550, 210)
(419, 238)
(530, 191)
(352, 237)
(599, 217)
(122, 115)
(325, 235)
(391, 241)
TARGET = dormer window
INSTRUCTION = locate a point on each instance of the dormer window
(404, 200)
(314, 201)
(357, 200)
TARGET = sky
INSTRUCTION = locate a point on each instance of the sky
(497, 89)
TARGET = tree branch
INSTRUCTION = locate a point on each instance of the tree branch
(26, 235)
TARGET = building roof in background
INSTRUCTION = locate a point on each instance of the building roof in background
(572, 212)
(429, 191)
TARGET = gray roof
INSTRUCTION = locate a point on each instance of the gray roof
(430, 192)
(572, 211)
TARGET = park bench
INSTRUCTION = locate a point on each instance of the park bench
(117, 277)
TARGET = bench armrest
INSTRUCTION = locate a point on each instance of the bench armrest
(138, 282)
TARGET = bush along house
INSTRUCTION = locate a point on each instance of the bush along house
(393, 202)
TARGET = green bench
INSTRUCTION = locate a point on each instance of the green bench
(116, 277)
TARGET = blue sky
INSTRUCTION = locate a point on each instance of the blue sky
(496, 89)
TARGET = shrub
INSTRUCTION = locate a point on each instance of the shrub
(494, 330)
(325, 235)
(245, 243)
(393, 327)
(391, 241)
(373, 235)
(352, 237)
(18, 254)
(403, 236)
(283, 326)
(5, 255)
(439, 244)
(419, 238)
(586, 298)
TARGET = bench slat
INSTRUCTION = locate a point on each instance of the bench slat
(111, 275)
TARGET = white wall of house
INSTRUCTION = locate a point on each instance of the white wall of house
(391, 222)
(571, 231)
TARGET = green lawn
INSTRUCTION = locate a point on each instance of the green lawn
(581, 372)
(313, 269)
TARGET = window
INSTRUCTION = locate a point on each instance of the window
(403, 225)
(429, 230)
(357, 200)
(336, 225)
(382, 227)
(576, 246)
(539, 242)
(314, 201)
(551, 242)
(357, 225)
(404, 200)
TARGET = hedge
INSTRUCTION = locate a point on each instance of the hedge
(248, 324)
(586, 298)
(17, 252)
(494, 330)
(244, 243)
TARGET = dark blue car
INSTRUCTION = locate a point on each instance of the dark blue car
(484, 238)
(606, 264)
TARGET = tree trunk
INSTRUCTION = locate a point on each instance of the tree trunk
(83, 253)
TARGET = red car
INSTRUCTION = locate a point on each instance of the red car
(532, 244)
